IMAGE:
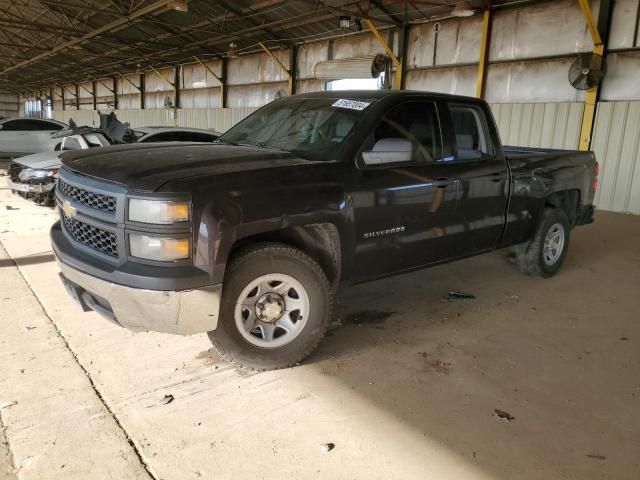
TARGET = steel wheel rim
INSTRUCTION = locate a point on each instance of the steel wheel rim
(553, 244)
(272, 330)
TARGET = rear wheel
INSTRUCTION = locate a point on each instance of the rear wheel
(276, 305)
(545, 253)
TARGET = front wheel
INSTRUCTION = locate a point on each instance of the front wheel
(276, 306)
(548, 247)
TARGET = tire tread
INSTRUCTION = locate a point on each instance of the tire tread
(249, 254)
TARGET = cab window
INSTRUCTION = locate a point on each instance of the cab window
(408, 133)
(471, 133)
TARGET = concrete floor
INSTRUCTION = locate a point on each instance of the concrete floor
(406, 385)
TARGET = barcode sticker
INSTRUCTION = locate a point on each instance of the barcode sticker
(351, 104)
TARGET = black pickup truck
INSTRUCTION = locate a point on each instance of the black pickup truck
(248, 239)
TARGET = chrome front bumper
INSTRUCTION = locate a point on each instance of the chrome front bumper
(179, 312)
(23, 187)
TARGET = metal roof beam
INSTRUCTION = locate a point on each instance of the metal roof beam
(161, 4)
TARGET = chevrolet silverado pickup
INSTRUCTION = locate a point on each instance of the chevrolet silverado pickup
(248, 239)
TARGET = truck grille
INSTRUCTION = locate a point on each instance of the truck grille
(94, 237)
(99, 201)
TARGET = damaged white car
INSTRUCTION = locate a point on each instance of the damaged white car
(34, 176)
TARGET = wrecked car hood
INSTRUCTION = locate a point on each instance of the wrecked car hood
(41, 161)
(146, 167)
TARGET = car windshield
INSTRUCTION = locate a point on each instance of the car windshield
(312, 128)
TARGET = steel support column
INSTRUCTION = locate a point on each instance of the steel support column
(398, 77)
(223, 84)
(94, 87)
(484, 54)
(142, 89)
(599, 34)
(177, 70)
(293, 69)
(115, 93)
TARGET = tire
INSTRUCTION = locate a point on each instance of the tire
(535, 259)
(252, 278)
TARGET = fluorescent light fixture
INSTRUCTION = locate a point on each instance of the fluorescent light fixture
(462, 9)
(179, 5)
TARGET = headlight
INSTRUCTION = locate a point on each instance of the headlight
(159, 248)
(29, 174)
(158, 211)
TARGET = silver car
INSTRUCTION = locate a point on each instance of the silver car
(22, 136)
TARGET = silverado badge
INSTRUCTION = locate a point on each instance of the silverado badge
(68, 210)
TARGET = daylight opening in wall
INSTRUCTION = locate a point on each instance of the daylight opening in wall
(356, 84)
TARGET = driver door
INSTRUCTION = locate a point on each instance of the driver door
(404, 197)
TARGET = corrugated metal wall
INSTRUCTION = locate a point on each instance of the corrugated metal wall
(220, 119)
(545, 125)
(8, 104)
(616, 143)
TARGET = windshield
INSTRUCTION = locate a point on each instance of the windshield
(312, 128)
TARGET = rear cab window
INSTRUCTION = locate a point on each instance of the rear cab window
(471, 133)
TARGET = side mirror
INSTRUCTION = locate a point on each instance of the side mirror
(389, 150)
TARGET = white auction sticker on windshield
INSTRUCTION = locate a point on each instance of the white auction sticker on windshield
(351, 104)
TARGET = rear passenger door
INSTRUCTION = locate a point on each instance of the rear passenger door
(483, 175)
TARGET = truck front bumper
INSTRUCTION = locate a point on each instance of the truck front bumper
(29, 188)
(178, 312)
(158, 299)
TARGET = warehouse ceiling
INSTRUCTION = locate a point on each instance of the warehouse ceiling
(44, 42)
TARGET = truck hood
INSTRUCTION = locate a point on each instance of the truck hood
(147, 167)
(40, 161)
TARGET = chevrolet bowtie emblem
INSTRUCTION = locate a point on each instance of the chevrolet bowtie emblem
(68, 210)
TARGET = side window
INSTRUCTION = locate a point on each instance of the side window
(9, 126)
(71, 143)
(196, 137)
(16, 126)
(30, 125)
(408, 133)
(49, 126)
(161, 137)
(43, 125)
(472, 135)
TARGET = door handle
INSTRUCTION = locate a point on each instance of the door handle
(497, 177)
(443, 182)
